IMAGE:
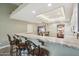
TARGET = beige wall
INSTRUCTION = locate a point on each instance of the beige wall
(32, 28)
(7, 25)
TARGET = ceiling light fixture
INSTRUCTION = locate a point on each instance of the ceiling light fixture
(33, 12)
(49, 4)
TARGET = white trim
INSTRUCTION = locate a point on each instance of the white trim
(4, 46)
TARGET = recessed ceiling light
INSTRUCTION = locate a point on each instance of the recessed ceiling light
(49, 4)
(33, 12)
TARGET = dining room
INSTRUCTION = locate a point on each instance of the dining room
(39, 29)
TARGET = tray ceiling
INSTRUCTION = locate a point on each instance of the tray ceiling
(41, 12)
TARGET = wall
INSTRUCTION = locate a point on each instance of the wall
(7, 25)
(32, 28)
(52, 28)
(68, 32)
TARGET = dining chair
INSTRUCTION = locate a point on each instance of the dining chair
(22, 47)
(35, 50)
(30, 46)
(42, 42)
(39, 51)
(13, 47)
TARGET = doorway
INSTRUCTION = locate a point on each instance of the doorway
(60, 30)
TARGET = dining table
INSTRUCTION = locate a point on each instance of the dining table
(64, 41)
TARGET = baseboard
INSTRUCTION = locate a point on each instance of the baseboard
(4, 46)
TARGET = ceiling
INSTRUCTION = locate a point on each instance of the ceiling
(41, 12)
